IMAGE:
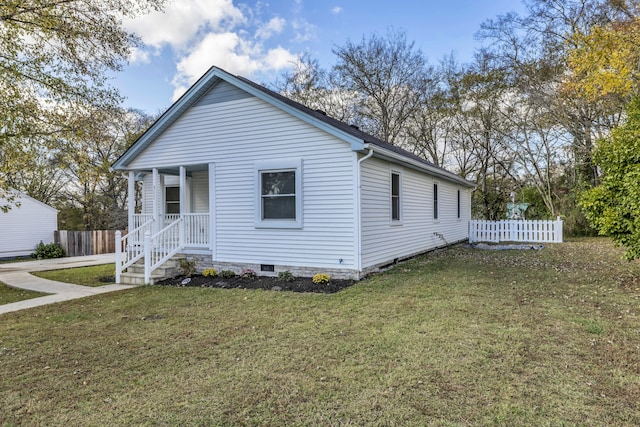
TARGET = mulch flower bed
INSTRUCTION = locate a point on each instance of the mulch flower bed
(298, 284)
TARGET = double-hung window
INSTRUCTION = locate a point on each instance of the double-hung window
(279, 194)
(396, 202)
(172, 200)
(435, 201)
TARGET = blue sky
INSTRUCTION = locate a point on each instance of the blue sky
(260, 39)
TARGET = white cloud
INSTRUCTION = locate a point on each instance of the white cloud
(202, 33)
(304, 30)
(140, 56)
(231, 53)
(182, 20)
(274, 26)
(337, 10)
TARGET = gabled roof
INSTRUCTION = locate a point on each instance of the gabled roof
(359, 141)
(19, 195)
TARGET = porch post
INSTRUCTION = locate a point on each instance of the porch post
(156, 202)
(131, 200)
(183, 204)
(212, 210)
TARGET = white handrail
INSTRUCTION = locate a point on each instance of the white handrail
(132, 245)
(160, 247)
(188, 230)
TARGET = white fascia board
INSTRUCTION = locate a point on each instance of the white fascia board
(414, 164)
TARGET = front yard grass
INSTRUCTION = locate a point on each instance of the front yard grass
(456, 338)
(97, 275)
(9, 294)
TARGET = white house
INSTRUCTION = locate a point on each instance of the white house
(237, 176)
(26, 224)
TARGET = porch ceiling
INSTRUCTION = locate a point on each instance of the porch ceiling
(175, 170)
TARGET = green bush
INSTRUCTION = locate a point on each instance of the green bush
(187, 267)
(47, 251)
(286, 276)
(227, 274)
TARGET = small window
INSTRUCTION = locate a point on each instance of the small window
(395, 196)
(278, 193)
(172, 200)
(458, 204)
(435, 201)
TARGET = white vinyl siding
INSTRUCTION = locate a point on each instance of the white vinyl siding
(200, 192)
(22, 228)
(381, 241)
(147, 192)
(235, 135)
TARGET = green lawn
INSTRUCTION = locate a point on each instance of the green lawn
(456, 338)
(9, 294)
(97, 275)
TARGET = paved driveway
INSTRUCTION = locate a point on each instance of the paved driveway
(17, 275)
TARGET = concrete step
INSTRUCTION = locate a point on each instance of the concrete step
(135, 272)
(136, 279)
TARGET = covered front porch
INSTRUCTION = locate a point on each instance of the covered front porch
(174, 217)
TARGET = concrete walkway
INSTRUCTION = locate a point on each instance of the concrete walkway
(17, 275)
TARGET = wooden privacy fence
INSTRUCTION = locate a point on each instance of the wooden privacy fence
(80, 243)
(549, 231)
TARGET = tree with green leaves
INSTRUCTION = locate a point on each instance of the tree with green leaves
(95, 196)
(54, 59)
(613, 207)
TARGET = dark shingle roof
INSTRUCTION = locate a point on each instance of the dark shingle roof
(208, 80)
(351, 130)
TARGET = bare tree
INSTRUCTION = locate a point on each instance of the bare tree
(390, 77)
(316, 88)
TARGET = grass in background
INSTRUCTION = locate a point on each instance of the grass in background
(455, 338)
(97, 275)
(9, 294)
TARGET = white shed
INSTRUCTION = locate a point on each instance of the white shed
(26, 224)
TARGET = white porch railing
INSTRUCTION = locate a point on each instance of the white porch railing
(139, 220)
(129, 248)
(196, 230)
(188, 231)
(160, 247)
(169, 218)
(534, 231)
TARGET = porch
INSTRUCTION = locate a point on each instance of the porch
(174, 220)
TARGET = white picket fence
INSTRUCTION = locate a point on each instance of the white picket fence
(516, 231)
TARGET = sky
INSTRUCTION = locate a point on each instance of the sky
(262, 39)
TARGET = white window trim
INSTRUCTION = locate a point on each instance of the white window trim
(459, 204)
(274, 166)
(395, 171)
